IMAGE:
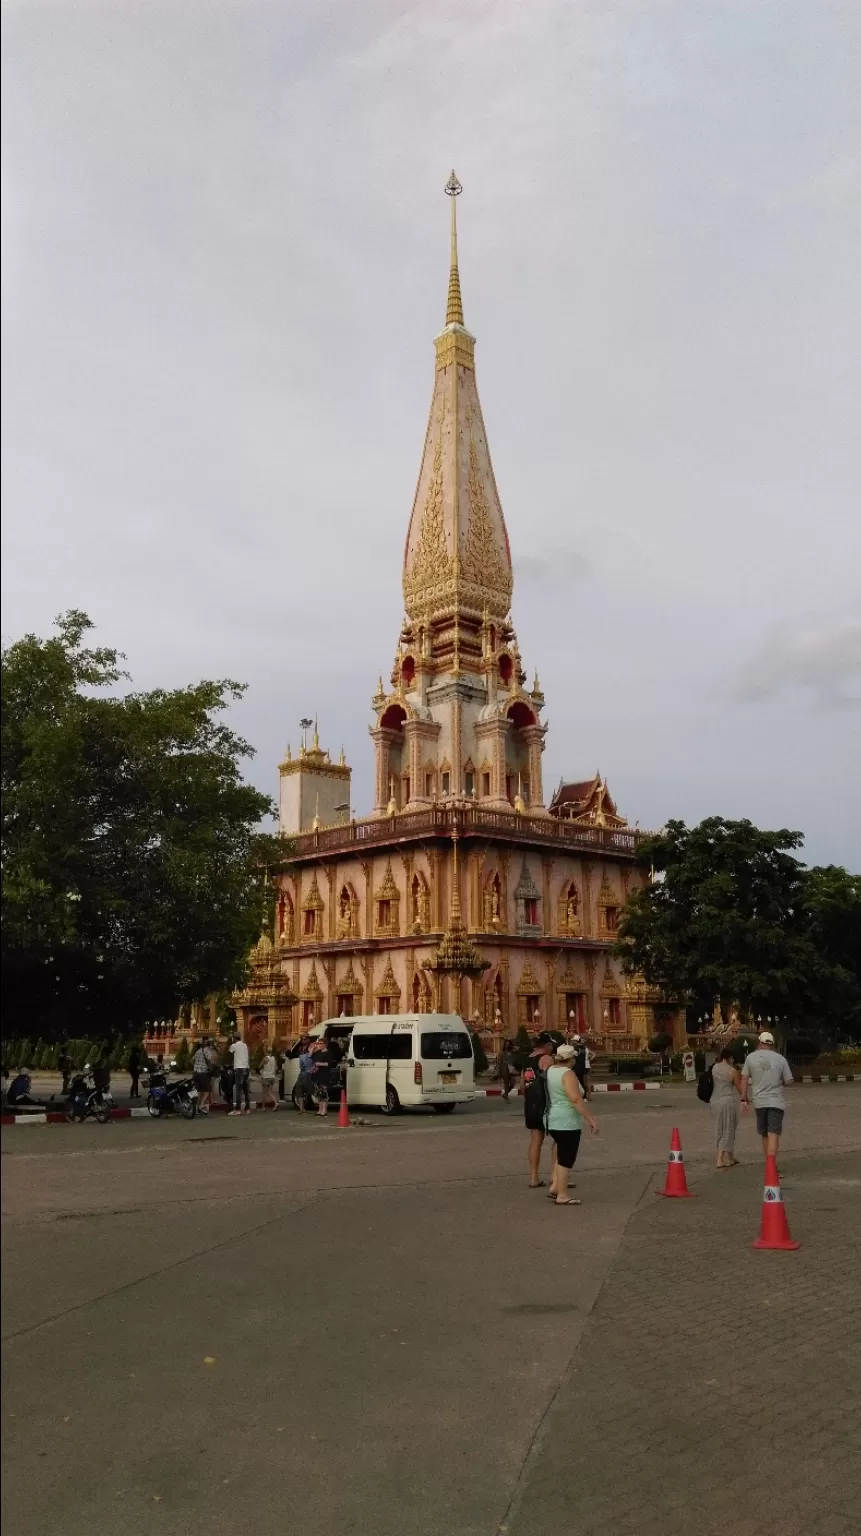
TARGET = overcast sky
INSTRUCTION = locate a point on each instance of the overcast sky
(225, 259)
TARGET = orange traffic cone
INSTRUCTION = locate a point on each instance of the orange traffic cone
(774, 1232)
(676, 1186)
(343, 1112)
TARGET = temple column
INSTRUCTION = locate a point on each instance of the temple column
(419, 735)
(533, 736)
(382, 740)
(493, 735)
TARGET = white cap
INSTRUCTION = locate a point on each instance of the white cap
(574, 1039)
(564, 1052)
(765, 1038)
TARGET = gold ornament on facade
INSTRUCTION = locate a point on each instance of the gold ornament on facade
(431, 564)
(387, 907)
(610, 986)
(388, 988)
(569, 911)
(312, 992)
(266, 985)
(347, 926)
(457, 955)
(482, 566)
(313, 903)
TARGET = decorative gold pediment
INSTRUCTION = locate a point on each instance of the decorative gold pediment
(607, 897)
(312, 992)
(350, 983)
(528, 986)
(388, 986)
(388, 891)
(610, 985)
(313, 902)
(571, 980)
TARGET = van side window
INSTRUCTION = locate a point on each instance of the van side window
(379, 1047)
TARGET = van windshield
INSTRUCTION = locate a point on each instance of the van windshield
(441, 1045)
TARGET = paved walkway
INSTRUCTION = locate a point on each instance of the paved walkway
(715, 1389)
(381, 1332)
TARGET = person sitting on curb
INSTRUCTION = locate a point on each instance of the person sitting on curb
(764, 1076)
(19, 1095)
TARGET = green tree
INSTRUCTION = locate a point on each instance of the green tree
(132, 863)
(728, 917)
(831, 910)
(660, 1043)
(478, 1052)
(183, 1056)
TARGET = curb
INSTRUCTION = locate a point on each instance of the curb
(496, 1093)
(52, 1117)
(842, 1077)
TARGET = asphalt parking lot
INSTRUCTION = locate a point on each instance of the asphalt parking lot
(274, 1324)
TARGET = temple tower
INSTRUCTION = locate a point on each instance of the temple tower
(457, 723)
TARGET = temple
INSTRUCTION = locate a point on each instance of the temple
(462, 890)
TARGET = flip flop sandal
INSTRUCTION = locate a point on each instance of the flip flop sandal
(567, 1202)
(539, 1185)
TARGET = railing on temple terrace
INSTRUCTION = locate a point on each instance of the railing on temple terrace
(466, 821)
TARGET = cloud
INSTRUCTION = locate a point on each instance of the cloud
(823, 660)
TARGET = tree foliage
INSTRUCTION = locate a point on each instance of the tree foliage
(660, 1042)
(132, 863)
(732, 916)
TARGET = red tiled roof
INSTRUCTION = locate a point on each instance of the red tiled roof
(566, 793)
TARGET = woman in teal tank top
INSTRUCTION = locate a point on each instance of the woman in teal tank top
(566, 1111)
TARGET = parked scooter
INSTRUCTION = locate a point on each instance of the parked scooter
(88, 1099)
(166, 1098)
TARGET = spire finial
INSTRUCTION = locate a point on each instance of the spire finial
(454, 307)
(455, 921)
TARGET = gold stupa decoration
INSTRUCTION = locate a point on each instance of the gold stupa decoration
(456, 954)
(457, 560)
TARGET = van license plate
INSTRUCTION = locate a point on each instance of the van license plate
(448, 1077)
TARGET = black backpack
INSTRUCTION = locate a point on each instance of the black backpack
(705, 1086)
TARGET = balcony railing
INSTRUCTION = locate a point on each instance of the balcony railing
(466, 821)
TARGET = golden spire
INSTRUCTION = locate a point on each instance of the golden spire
(457, 954)
(454, 306)
(455, 921)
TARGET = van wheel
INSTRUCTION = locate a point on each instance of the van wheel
(392, 1104)
(444, 1109)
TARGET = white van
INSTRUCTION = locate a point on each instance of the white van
(402, 1060)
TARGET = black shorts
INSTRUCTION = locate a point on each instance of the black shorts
(534, 1122)
(202, 1081)
(567, 1147)
(769, 1122)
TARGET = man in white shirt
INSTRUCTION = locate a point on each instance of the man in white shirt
(764, 1076)
(241, 1074)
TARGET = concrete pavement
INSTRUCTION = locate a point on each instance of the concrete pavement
(274, 1324)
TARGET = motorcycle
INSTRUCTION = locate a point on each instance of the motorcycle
(166, 1098)
(87, 1099)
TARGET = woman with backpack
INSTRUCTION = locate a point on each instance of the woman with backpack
(724, 1100)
